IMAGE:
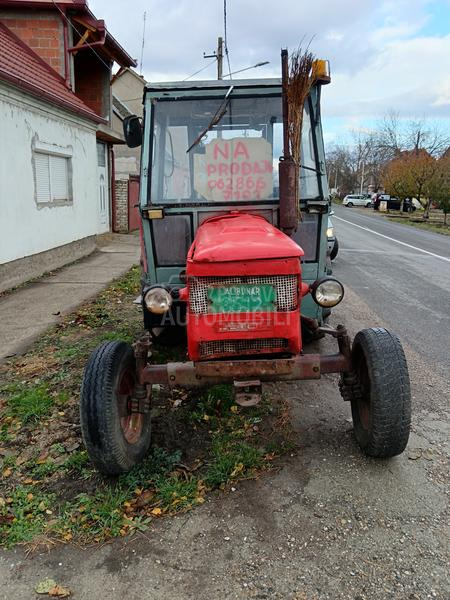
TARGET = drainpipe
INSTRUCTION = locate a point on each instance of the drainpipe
(66, 53)
(113, 191)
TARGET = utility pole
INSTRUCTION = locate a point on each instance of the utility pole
(218, 54)
(362, 177)
(219, 57)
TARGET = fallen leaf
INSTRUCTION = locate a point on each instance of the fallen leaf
(20, 460)
(73, 446)
(234, 408)
(427, 455)
(5, 452)
(44, 586)
(156, 511)
(237, 469)
(59, 591)
(415, 454)
(42, 458)
(144, 498)
(205, 417)
(6, 472)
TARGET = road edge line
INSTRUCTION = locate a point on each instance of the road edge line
(392, 239)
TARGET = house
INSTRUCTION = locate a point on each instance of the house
(56, 151)
(128, 91)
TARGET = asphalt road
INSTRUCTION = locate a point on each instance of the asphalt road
(327, 523)
(403, 273)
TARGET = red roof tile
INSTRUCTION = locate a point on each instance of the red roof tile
(23, 68)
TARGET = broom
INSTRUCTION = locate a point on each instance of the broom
(297, 90)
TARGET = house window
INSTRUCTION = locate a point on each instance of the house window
(52, 176)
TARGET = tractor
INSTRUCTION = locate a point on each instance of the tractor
(234, 207)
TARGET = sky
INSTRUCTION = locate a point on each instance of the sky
(385, 55)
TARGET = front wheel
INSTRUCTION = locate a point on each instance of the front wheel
(349, 204)
(335, 249)
(368, 204)
(115, 437)
(379, 390)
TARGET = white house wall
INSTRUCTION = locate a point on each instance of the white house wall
(26, 228)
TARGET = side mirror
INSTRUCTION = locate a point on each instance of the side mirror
(132, 130)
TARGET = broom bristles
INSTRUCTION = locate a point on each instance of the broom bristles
(299, 86)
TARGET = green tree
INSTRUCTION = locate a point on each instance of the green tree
(439, 187)
(411, 175)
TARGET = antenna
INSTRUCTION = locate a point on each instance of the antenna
(143, 41)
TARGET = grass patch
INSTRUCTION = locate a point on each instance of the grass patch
(231, 459)
(23, 515)
(48, 487)
(427, 225)
(28, 403)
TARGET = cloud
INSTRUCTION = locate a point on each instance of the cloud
(408, 76)
(381, 59)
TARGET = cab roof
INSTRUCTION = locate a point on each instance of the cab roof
(211, 84)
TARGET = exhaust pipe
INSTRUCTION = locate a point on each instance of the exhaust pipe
(287, 170)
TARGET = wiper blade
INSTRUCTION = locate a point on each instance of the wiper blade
(318, 171)
(216, 118)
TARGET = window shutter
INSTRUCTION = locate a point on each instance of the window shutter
(42, 171)
(59, 178)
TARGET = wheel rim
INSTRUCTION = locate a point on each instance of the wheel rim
(130, 422)
(363, 403)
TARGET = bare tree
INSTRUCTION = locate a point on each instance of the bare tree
(425, 135)
(342, 169)
(394, 136)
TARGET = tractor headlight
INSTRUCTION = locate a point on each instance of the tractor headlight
(158, 300)
(330, 232)
(327, 292)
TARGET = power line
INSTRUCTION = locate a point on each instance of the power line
(202, 69)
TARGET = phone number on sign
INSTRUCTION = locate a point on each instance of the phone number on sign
(241, 188)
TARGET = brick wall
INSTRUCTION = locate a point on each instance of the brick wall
(42, 31)
(92, 82)
(121, 216)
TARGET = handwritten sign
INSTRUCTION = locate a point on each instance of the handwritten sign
(235, 169)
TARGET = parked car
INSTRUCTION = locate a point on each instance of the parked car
(356, 200)
(408, 205)
(392, 203)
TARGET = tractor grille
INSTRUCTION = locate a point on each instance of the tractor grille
(285, 285)
(221, 347)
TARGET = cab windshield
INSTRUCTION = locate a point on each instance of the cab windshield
(236, 160)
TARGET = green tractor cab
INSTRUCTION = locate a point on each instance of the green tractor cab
(234, 252)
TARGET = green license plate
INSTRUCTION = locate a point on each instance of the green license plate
(242, 298)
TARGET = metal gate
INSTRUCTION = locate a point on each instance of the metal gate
(133, 203)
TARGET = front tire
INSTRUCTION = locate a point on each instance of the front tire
(116, 438)
(379, 391)
(349, 204)
(335, 249)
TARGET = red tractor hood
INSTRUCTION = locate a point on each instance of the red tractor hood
(240, 237)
